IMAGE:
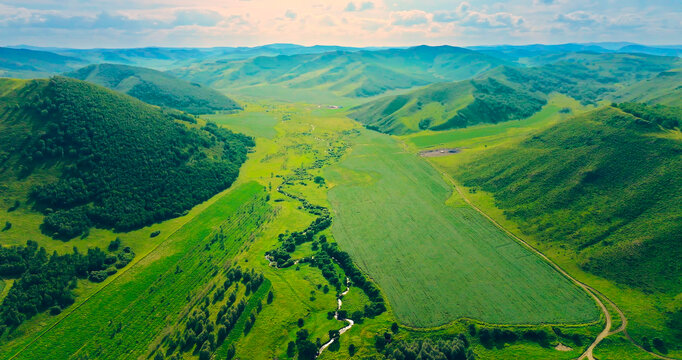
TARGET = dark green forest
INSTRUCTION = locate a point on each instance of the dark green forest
(125, 164)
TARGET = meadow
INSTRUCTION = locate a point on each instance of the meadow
(437, 263)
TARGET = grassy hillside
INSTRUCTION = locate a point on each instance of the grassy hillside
(25, 64)
(437, 263)
(605, 183)
(343, 73)
(665, 88)
(84, 155)
(509, 93)
(156, 88)
(449, 105)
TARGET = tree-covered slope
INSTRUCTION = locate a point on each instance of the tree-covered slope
(111, 160)
(511, 93)
(156, 88)
(606, 184)
(24, 63)
(345, 73)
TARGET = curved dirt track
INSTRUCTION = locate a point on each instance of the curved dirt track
(588, 354)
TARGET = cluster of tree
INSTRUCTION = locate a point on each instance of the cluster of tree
(358, 279)
(289, 240)
(47, 281)
(128, 164)
(657, 343)
(667, 117)
(204, 335)
(497, 336)
(307, 350)
(456, 348)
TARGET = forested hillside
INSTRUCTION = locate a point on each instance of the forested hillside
(156, 88)
(112, 160)
(512, 93)
(343, 73)
(606, 184)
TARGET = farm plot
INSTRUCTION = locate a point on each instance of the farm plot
(437, 263)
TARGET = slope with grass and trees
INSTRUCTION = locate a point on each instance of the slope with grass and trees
(510, 93)
(156, 88)
(86, 156)
(605, 187)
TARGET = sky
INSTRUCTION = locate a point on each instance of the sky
(205, 23)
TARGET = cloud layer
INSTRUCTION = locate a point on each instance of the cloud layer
(128, 23)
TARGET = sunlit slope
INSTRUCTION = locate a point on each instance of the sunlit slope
(437, 263)
(665, 88)
(606, 183)
(509, 93)
(156, 88)
(356, 74)
(84, 156)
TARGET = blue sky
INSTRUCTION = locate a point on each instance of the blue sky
(129, 23)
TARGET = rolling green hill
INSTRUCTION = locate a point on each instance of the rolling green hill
(156, 88)
(84, 155)
(26, 64)
(605, 183)
(665, 88)
(510, 93)
(343, 73)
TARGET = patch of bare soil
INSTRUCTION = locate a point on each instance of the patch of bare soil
(562, 347)
(439, 152)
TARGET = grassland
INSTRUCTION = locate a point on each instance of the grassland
(436, 263)
(549, 114)
(256, 122)
(146, 298)
(646, 311)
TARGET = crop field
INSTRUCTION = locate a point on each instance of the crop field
(437, 263)
(147, 298)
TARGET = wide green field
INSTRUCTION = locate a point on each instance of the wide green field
(437, 263)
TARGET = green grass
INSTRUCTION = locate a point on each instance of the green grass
(618, 347)
(156, 88)
(436, 263)
(254, 121)
(146, 298)
(647, 312)
(549, 113)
